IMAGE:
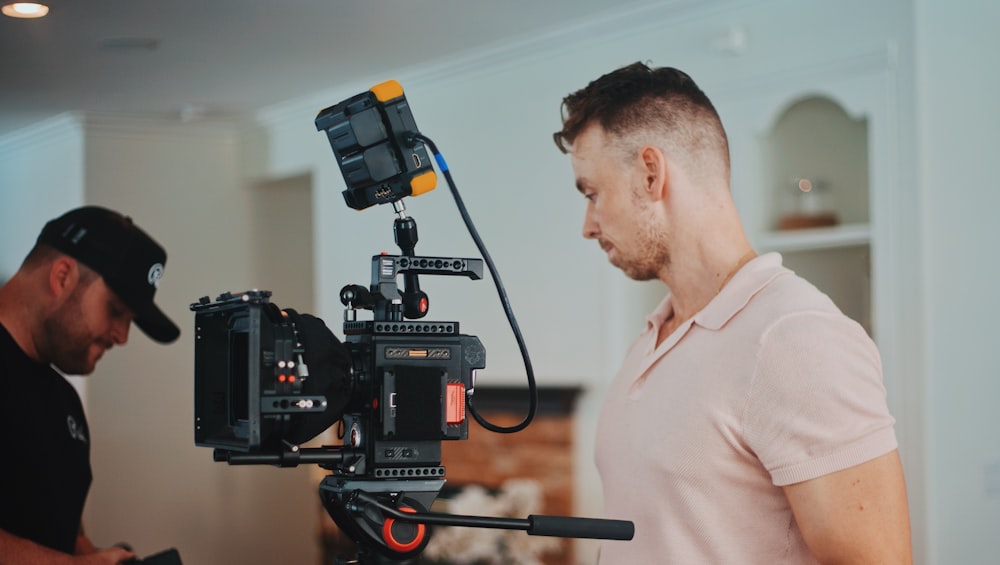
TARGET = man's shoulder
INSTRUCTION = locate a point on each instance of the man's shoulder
(20, 374)
(10, 352)
(766, 291)
(794, 314)
(788, 293)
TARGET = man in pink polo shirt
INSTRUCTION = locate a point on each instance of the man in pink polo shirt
(748, 423)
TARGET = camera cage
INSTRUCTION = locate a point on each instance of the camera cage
(410, 381)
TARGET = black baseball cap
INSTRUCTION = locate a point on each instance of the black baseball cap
(130, 261)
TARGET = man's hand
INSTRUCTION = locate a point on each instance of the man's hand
(109, 556)
(87, 553)
(16, 550)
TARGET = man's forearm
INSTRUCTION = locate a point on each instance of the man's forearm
(16, 550)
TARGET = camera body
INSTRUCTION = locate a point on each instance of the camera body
(412, 382)
(407, 381)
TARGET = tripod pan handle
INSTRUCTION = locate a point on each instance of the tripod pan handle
(569, 527)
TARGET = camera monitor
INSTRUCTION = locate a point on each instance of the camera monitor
(371, 135)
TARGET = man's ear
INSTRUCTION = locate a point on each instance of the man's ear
(654, 167)
(64, 274)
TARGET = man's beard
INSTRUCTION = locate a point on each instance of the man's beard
(644, 268)
(67, 340)
(650, 253)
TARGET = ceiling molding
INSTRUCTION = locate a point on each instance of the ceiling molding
(42, 132)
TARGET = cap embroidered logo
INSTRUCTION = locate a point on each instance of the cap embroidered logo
(155, 274)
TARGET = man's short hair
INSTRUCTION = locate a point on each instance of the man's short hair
(42, 254)
(637, 103)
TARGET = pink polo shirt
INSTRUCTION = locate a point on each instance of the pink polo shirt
(768, 385)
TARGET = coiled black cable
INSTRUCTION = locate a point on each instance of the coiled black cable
(532, 388)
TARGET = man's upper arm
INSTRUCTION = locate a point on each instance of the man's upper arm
(858, 515)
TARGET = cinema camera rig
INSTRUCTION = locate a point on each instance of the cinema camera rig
(268, 380)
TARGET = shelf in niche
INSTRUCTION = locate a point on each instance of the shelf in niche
(816, 238)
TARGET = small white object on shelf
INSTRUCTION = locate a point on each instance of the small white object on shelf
(844, 235)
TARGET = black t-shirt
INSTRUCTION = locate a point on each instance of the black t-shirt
(44, 451)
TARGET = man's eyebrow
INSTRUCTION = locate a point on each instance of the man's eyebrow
(119, 305)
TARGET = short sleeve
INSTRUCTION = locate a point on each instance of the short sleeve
(816, 403)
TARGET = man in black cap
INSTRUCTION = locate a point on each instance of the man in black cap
(91, 273)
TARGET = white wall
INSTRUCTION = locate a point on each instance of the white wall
(958, 124)
(41, 174)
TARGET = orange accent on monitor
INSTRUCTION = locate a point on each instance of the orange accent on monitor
(387, 90)
(424, 182)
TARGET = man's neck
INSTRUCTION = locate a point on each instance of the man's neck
(691, 290)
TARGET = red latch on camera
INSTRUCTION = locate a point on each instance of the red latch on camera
(455, 403)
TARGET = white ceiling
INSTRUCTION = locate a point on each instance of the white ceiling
(167, 57)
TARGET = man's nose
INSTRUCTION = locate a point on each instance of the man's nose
(119, 331)
(590, 229)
